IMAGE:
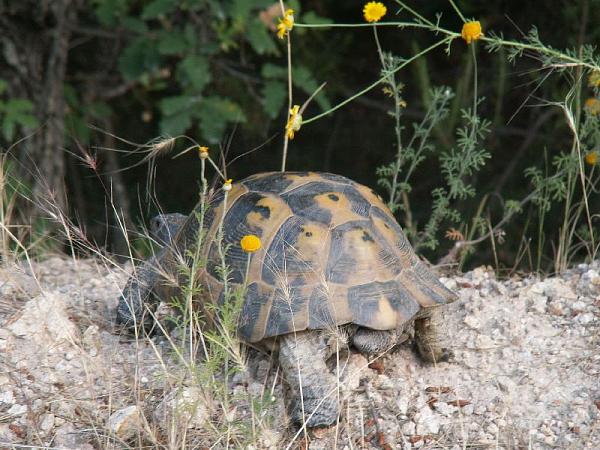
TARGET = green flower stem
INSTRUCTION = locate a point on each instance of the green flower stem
(452, 34)
(457, 11)
(378, 82)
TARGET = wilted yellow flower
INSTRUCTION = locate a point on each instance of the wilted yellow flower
(594, 79)
(471, 31)
(227, 185)
(250, 243)
(592, 106)
(294, 122)
(592, 158)
(203, 152)
(374, 11)
(286, 23)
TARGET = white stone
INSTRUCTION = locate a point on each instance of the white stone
(409, 428)
(47, 422)
(427, 422)
(125, 423)
(472, 322)
(355, 369)
(45, 320)
(17, 410)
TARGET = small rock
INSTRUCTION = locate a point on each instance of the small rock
(355, 369)
(47, 422)
(17, 410)
(472, 322)
(125, 423)
(45, 317)
(409, 428)
(427, 422)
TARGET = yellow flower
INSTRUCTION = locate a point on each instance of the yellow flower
(227, 185)
(592, 106)
(374, 11)
(594, 79)
(203, 151)
(294, 122)
(285, 24)
(592, 158)
(250, 243)
(471, 31)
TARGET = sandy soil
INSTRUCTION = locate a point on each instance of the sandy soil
(525, 373)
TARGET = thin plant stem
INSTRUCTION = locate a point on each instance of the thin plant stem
(286, 139)
(376, 83)
(457, 11)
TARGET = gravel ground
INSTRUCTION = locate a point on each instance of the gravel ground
(525, 373)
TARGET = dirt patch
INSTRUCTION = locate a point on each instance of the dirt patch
(525, 372)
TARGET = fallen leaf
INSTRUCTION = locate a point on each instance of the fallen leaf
(377, 366)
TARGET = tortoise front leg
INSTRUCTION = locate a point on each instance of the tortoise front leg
(429, 335)
(302, 358)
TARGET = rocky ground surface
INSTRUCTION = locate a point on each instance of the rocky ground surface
(525, 373)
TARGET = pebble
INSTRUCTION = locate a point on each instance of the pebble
(125, 423)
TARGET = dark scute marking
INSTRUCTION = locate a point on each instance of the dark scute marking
(282, 259)
(264, 211)
(390, 223)
(319, 313)
(308, 234)
(333, 197)
(364, 300)
(284, 310)
(301, 201)
(358, 203)
(234, 229)
(342, 264)
(250, 313)
(274, 182)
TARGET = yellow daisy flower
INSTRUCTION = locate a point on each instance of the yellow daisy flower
(294, 122)
(471, 31)
(286, 23)
(250, 243)
(203, 152)
(594, 79)
(592, 106)
(374, 11)
(592, 158)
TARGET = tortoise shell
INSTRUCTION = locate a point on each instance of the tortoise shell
(332, 253)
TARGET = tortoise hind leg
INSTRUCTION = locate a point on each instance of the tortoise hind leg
(302, 357)
(374, 342)
(429, 336)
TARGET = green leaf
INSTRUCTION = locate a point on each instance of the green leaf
(312, 18)
(3, 86)
(140, 57)
(134, 24)
(272, 71)
(194, 71)
(172, 105)
(302, 78)
(108, 12)
(214, 114)
(157, 8)
(172, 43)
(176, 124)
(274, 94)
(260, 38)
(8, 129)
(17, 105)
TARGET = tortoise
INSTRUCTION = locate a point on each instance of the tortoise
(332, 256)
